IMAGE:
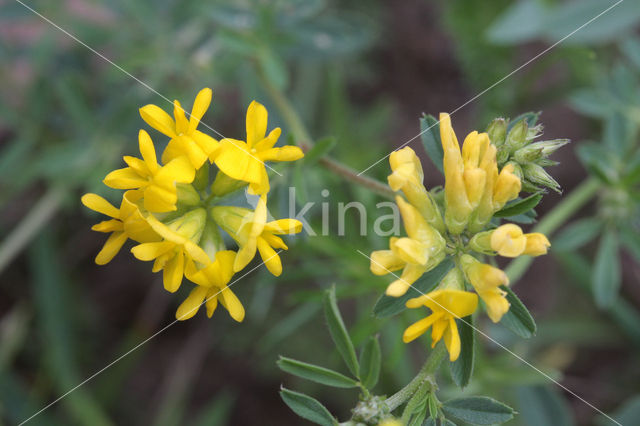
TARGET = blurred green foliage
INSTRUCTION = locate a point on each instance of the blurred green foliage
(67, 116)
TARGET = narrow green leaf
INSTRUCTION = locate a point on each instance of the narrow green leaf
(577, 234)
(606, 271)
(316, 373)
(339, 332)
(518, 319)
(307, 407)
(519, 206)
(462, 368)
(319, 150)
(370, 359)
(478, 410)
(430, 136)
(387, 306)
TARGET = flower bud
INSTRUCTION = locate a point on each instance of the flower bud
(538, 176)
(187, 195)
(538, 150)
(537, 244)
(224, 184)
(517, 136)
(190, 225)
(231, 218)
(507, 187)
(497, 131)
(481, 243)
(508, 240)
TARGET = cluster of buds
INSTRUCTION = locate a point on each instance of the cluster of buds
(460, 227)
(516, 147)
(175, 210)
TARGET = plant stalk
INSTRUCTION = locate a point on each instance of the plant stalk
(303, 138)
(582, 194)
(427, 372)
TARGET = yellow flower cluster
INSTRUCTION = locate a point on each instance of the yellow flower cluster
(474, 190)
(175, 211)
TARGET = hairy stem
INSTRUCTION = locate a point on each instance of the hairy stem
(427, 372)
(303, 138)
(553, 220)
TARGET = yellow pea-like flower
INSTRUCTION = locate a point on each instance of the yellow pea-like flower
(157, 182)
(407, 176)
(186, 139)
(126, 222)
(486, 280)
(178, 247)
(252, 232)
(508, 240)
(507, 187)
(244, 160)
(212, 287)
(446, 305)
(420, 251)
(537, 244)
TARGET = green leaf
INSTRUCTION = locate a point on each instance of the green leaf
(387, 306)
(430, 136)
(319, 150)
(606, 271)
(518, 319)
(519, 206)
(542, 406)
(316, 373)
(531, 117)
(370, 362)
(462, 368)
(520, 22)
(307, 407)
(577, 234)
(339, 331)
(478, 410)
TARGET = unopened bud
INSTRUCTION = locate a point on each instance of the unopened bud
(223, 184)
(481, 243)
(517, 136)
(190, 225)
(497, 131)
(187, 195)
(538, 150)
(538, 176)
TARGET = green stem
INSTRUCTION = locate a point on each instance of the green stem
(553, 220)
(426, 373)
(303, 138)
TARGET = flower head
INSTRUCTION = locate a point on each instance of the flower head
(446, 305)
(157, 182)
(245, 161)
(178, 247)
(252, 232)
(212, 287)
(186, 139)
(126, 222)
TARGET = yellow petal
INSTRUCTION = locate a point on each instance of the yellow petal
(417, 329)
(261, 186)
(229, 300)
(196, 253)
(285, 153)
(191, 304)
(411, 251)
(508, 240)
(269, 141)
(284, 226)
(148, 151)
(150, 251)
(173, 272)
(256, 123)
(385, 261)
(200, 106)
(158, 119)
(269, 257)
(496, 303)
(212, 301)
(111, 247)
(125, 178)
(138, 165)
(537, 244)
(159, 199)
(182, 124)
(100, 205)
(233, 158)
(452, 340)
(177, 170)
(206, 143)
(245, 255)
(108, 226)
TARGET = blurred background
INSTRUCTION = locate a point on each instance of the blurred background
(362, 73)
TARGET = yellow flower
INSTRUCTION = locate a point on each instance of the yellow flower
(507, 187)
(446, 305)
(127, 222)
(421, 251)
(211, 287)
(245, 160)
(252, 232)
(179, 246)
(407, 177)
(537, 244)
(185, 138)
(157, 182)
(391, 422)
(486, 280)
